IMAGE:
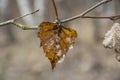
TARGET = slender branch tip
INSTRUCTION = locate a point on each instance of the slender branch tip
(24, 27)
(107, 0)
(15, 19)
(86, 11)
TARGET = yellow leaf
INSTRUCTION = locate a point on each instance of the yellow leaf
(56, 46)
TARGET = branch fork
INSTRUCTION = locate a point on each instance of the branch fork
(82, 15)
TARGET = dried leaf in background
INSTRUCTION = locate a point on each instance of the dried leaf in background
(55, 46)
(112, 39)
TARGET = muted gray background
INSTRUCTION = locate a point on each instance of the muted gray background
(21, 57)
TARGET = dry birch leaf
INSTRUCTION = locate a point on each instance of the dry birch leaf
(56, 46)
(112, 39)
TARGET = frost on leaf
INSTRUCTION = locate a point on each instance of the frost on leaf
(56, 46)
(112, 39)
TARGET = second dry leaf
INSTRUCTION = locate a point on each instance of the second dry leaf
(112, 39)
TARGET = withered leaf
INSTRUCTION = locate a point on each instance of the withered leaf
(112, 39)
(55, 46)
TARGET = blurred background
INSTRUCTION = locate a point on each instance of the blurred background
(21, 57)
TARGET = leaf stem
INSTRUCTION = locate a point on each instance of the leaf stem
(55, 9)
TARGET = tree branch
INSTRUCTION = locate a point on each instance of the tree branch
(25, 27)
(6, 22)
(82, 15)
(103, 17)
(85, 12)
(13, 21)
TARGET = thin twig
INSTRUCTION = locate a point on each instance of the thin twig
(97, 17)
(103, 17)
(55, 8)
(13, 21)
(113, 18)
(26, 15)
(6, 22)
(86, 11)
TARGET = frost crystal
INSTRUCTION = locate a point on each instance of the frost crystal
(71, 46)
(59, 53)
(68, 39)
(52, 42)
(62, 59)
(57, 46)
